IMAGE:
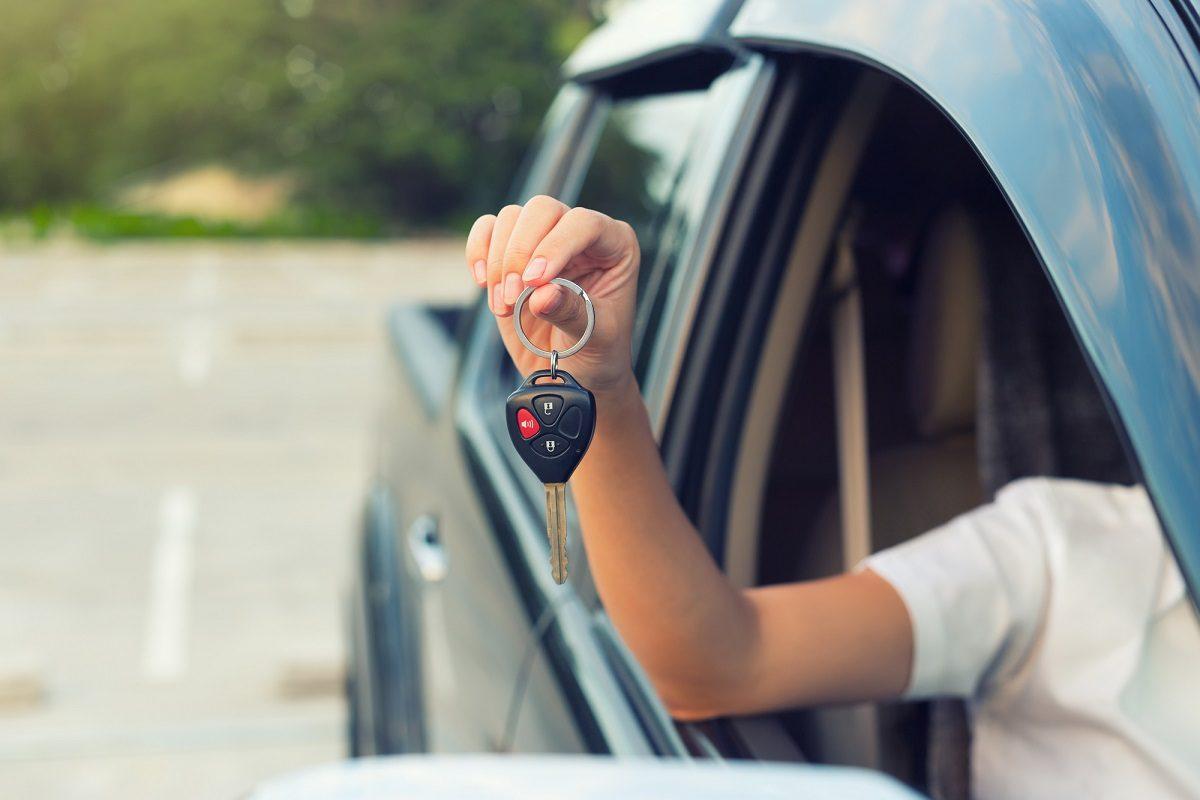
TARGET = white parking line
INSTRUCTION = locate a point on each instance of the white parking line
(197, 339)
(197, 332)
(164, 656)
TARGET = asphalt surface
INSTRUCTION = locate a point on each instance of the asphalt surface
(184, 443)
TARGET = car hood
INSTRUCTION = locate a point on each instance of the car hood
(536, 777)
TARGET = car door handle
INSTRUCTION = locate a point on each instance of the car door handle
(425, 544)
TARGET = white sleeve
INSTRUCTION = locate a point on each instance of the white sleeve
(974, 589)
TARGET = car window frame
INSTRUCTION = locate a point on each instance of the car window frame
(703, 428)
(739, 124)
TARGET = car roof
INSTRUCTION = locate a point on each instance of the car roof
(645, 32)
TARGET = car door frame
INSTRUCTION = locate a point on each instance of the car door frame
(1119, 256)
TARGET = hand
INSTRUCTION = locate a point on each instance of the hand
(545, 239)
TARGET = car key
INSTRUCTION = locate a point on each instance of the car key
(551, 425)
(551, 418)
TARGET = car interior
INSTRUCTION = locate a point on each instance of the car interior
(912, 323)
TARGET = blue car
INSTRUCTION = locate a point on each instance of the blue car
(896, 253)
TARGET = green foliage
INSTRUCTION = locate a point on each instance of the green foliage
(106, 224)
(411, 112)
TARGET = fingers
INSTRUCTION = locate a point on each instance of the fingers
(560, 307)
(537, 219)
(478, 241)
(534, 244)
(506, 220)
(580, 231)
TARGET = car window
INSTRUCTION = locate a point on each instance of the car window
(656, 163)
(550, 151)
(637, 163)
(550, 156)
(634, 169)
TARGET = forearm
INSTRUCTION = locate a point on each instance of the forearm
(709, 648)
(688, 626)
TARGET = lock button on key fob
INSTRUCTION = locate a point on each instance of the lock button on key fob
(548, 407)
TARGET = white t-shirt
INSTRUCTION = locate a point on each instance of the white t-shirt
(1060, 613)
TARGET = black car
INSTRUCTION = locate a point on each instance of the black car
(821, 207)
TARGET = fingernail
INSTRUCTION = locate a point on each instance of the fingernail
(497, 299)
(535, 269)
(512, 288)
(480, 272)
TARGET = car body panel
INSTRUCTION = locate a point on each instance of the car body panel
(430, 366)
(387, 716)
(1182, 20)
(584, 778)
(1190, 11)
(464, 625)
(1089, 119)
(516, 527)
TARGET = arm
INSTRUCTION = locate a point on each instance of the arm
(709, 648)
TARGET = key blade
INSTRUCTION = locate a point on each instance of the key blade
(556, 530)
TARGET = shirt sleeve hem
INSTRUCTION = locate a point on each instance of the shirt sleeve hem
(924, 613)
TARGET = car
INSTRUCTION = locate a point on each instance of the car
(832, 200)
(511, 777)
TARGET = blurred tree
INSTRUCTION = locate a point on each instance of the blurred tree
(416, 110)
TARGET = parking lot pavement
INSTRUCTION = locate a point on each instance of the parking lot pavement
(184, 440)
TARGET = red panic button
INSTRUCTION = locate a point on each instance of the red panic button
(528, 425)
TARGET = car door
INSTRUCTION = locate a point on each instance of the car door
(445, 654)
(667, 161)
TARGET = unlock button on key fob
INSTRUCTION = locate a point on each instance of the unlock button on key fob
(550, 446)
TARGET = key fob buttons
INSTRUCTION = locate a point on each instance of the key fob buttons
(551, 446)
(548, 407)
(551, 424)
(527, 424)
(571, 423)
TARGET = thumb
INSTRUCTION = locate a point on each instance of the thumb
(560, 307)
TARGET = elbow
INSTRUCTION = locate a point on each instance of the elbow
(720, 682)
(692, 715)
(690, 706)
(699, 701)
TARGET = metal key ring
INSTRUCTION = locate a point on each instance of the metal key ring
(573, 349)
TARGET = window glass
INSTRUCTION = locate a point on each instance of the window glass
(550, 151)
(651, 160)
(635, 167)
(550, 154)
(638, 160)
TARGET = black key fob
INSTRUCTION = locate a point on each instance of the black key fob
(551, 423)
